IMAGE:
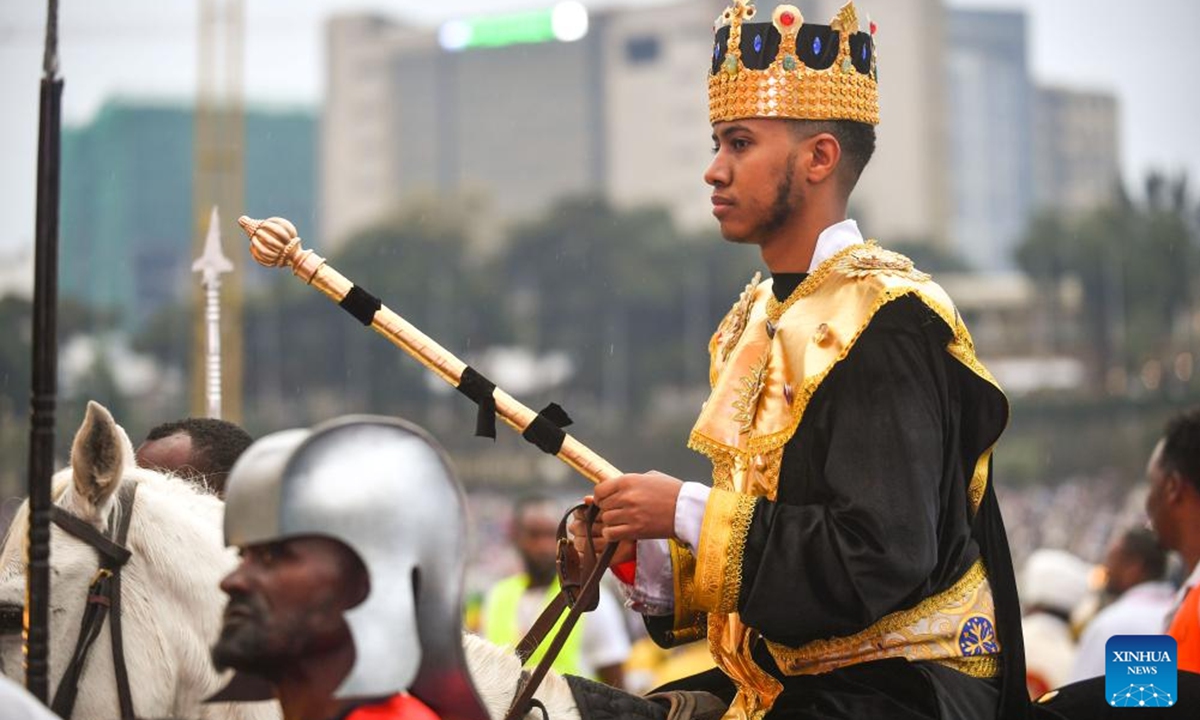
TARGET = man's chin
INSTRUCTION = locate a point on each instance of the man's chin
(244, 655)
(735, 234)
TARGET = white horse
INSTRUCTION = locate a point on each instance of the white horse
(171, 603)
(497, 670)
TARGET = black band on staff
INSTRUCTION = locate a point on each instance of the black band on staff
(480, 389)
(361, 304)
(546, 429)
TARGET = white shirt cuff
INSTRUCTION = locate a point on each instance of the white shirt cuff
(653, 591)
(689, 513)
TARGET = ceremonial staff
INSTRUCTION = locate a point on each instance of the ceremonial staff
(45, 367)
(211, 264)
(274, 243)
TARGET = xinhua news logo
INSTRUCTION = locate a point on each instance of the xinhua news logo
(1141, 671)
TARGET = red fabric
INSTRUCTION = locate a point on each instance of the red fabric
(1185, 628)
(397, 707)
(626, 572)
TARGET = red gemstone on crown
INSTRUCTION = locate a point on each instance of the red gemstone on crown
(874, 27)
(786, 19)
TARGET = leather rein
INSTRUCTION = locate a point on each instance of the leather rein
(103, 600)
(579, 582)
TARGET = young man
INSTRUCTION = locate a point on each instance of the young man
(198, 449)
(347, 598)
(598, 645)
(849, 560)
(1173, 505)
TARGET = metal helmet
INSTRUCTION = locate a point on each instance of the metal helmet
(384, 488)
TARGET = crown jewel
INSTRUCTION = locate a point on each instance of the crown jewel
(788, 68)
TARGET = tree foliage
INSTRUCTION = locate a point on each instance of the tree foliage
(1134, 263)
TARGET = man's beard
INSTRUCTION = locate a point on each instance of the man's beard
(246, 644)
(541, 570)
(782, 208)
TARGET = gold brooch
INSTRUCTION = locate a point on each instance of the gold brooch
(870, 259)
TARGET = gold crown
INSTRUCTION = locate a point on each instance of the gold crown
(789, 69)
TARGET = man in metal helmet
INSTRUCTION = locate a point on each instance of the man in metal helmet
(347, 599)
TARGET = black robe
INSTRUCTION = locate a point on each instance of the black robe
(872, 515)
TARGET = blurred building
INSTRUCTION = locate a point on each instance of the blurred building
(520, 120)
(1076, 149)
(16, 272)
(904, 195)
(990, 104)
(126, 219)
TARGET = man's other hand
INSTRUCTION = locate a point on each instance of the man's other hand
(638, 506)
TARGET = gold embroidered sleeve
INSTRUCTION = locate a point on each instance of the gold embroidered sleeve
(689, 623)
(723, 533)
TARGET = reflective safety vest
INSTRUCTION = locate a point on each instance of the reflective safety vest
(500, 624)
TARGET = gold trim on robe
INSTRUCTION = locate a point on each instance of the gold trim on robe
(767, 360)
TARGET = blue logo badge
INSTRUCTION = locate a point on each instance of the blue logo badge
(1141, 671)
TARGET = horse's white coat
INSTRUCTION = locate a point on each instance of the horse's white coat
(496, 672)
(171, 603)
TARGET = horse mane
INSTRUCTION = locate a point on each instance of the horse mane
(496, 672)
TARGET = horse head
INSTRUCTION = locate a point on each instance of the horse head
(170, 603)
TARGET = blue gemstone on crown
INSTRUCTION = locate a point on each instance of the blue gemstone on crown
(716, 51)
(864, 51)
(816, 46)
(758, 43)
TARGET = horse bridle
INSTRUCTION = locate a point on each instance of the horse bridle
(579, 582)
(103, 600)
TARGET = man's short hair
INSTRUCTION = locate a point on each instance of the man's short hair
(1181, 446)
(1142, 545)
(856, 139)
(541, 504)
(216, 443)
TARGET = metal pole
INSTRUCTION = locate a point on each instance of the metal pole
(211, 264)
(45, 368)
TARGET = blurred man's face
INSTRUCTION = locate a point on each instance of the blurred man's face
(286, 603)
(172, 454)
(534, 537)
(1158, 501)
(1122, 569)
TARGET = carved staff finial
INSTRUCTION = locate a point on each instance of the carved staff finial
(274, 243)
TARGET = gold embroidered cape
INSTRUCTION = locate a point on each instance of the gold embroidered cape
(767, 360)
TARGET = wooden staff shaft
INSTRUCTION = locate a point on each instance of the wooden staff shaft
(274, 243)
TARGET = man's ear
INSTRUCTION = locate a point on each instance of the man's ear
(823, 155)
(1174, 486)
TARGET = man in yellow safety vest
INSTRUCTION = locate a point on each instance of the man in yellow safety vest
(598, 645)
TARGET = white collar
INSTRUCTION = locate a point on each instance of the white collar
(1192, 581)
(833, 240)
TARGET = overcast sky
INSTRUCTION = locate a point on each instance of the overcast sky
(1144, 52)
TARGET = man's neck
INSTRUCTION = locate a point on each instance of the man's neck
(1190, 553)
(306, 692)
(791, 249)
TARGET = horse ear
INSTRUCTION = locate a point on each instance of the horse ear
(99, 455)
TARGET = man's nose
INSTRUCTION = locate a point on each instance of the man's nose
(717, 174)
(235, 582)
